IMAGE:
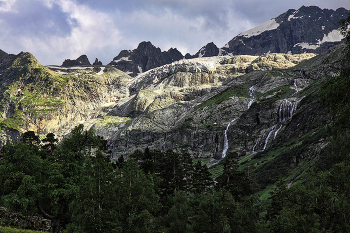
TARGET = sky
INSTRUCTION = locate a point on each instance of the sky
(55, 30)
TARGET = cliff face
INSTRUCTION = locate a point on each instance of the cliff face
(205, 106)
(188, 104)
(265, 108)
(308, 29)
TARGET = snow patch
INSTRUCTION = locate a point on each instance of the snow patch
(101, 71)
(201, 52)
(292, 15)
(220, 52)
(267, 26)
(123, 59)
(304, 45)
(140, 69)
(333, 36)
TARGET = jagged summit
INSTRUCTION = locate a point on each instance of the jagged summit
(145, 57)
(209, 50)
(97, 62)
(80, 61)
(308, 29)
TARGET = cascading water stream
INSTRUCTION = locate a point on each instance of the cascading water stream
(286, 110)
(251, 95)
(295, 86)
(226, 140)
(277, 132)
(268, 136)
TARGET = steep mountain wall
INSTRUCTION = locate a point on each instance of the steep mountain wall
(308, 29)
(187, 105)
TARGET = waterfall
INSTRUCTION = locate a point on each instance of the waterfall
(225, 139)
(277, 132)
(251, 95)
(255, 145)
(295, 86)
(286, 110)
(268, 136)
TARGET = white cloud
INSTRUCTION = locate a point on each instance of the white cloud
(6, 5)
(90, 30)
(167, 28)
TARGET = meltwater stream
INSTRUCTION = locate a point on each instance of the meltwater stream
(226, 140)
(251, 95)
(285, 111)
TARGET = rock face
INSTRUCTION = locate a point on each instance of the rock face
(186, 105)
(308, 29)
(80, 61)
(145, 57)
(97, 62)
(209, 50)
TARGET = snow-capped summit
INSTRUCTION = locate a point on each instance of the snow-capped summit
(308, 29)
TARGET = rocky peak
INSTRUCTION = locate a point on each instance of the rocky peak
(174, 54)
(308, 29)
(209, 50)
(80, 61)
(97, 63)
(145, 57)
(147, 47)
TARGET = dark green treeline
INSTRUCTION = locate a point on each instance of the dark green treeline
(74, 184)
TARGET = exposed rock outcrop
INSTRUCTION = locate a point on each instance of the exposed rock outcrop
(209, 50)
(97, 62)
(308, 29)
(145, 57)
(80, 61)
(186, 105)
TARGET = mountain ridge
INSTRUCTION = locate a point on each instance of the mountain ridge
(308, 29)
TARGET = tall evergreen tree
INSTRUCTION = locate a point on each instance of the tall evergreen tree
(94, 205)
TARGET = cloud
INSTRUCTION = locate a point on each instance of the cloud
(54, 30)
(6, 5)
(186, 25)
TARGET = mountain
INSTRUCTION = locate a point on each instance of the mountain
(97, 63)
(80, 61)
(308, 29)
(266, 108)
(145, 57)
(36, 98)
(209, 50)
